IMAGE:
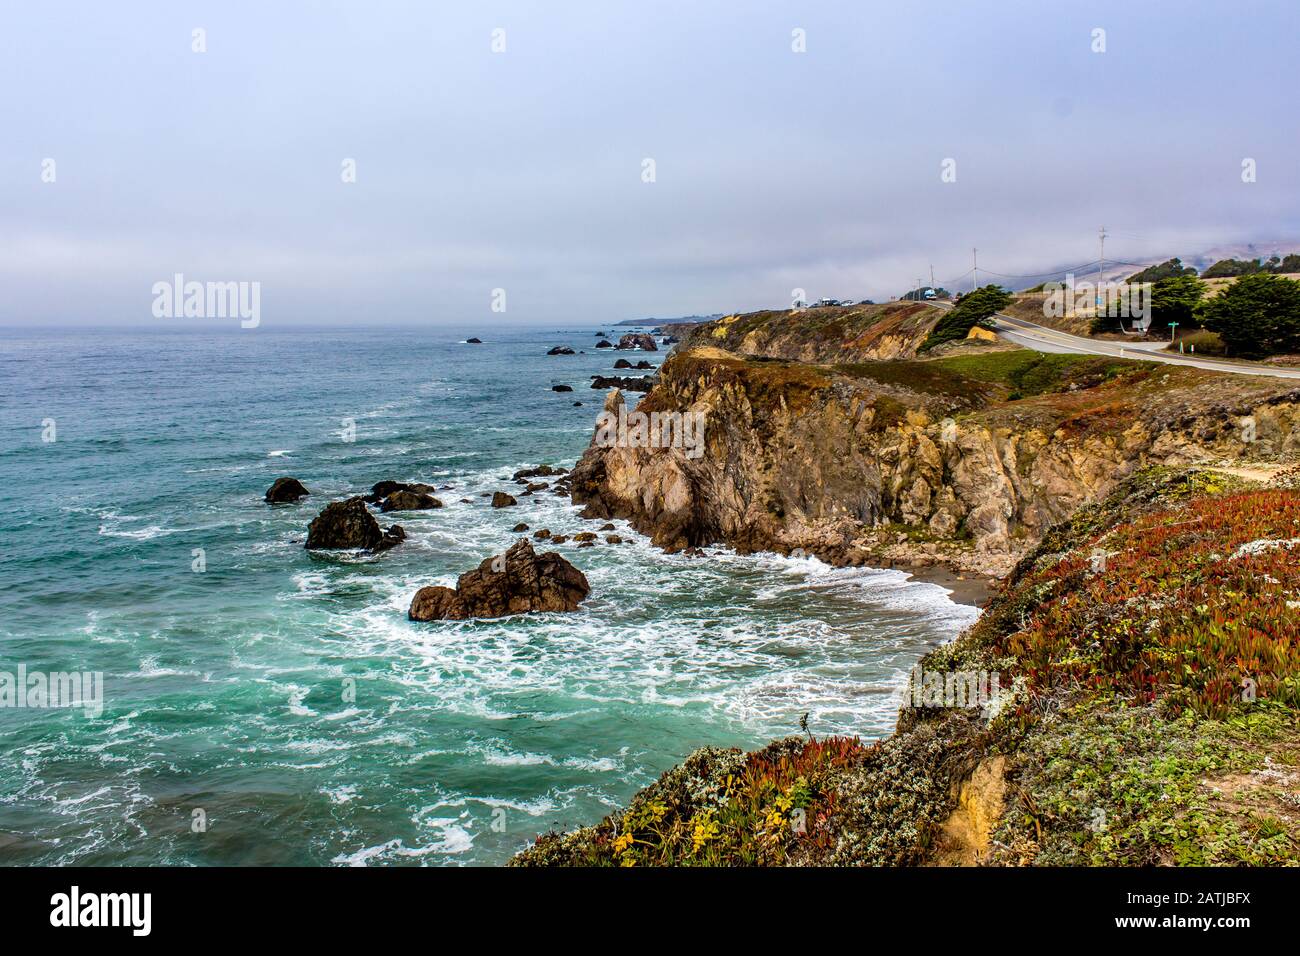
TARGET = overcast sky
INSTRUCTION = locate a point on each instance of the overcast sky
(523, 170)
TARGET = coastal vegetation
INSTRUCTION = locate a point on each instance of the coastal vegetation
(1150, 716)
(971, 309)
(1258, 315)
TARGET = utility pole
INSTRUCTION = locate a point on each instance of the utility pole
(975, 269)
(932, 275)
(1101, 262)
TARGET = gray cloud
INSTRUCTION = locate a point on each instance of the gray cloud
(521, 170)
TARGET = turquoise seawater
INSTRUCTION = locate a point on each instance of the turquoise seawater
(226, 690)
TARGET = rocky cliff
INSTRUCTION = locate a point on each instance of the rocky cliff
(1131, 697)
(964, 459)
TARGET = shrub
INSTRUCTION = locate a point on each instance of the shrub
(1202, 342)
(1165, 270)
(1258, 315)
(1231, 268)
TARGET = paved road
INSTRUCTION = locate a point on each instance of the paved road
(1031, 336)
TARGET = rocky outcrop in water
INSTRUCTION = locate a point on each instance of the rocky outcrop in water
(286, 490)
(518, 582)
(541, 471)
(407, 499)
(349, 525)
(382, 489)
(630, 383)
(638, 340)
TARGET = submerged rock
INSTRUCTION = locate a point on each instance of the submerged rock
(560, 350)
(517, 582)
(285, 490)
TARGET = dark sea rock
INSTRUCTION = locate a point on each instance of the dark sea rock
(382, 489)
(502, 500)
(560, 350)
(350, 525)
(629, 383)
(519, 527)
(561, 388)
(604, 344)
(519, 582)
(407, 500)
(285, 490)
(541, 471)
(473, 341)
(622, 363)
(392, 537)
(638, 340)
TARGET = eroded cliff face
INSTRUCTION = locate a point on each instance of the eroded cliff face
(854, 466)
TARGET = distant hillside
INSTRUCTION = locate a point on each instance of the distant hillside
(682, 320)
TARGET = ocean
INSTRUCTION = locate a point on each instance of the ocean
(263, 705)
